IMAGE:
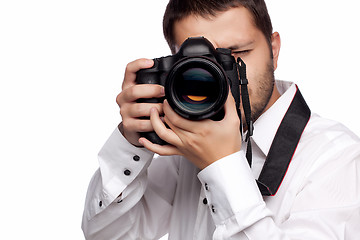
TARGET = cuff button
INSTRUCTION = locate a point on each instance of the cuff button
(127, 172)
(213, 209)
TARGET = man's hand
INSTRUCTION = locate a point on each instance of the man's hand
(131, 111)
(202, 142)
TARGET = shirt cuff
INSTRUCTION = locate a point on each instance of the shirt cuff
(120, 163)
(230, 188)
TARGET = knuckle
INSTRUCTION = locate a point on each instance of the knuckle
(126, 124)
(191, 142)
(124, 109)
(176, 120)
(205, 131)
(122, 112)
(118, 99)
(128, 67)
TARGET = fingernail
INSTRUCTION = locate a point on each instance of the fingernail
(149, 62)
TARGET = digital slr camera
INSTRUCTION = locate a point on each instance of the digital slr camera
(196, 79)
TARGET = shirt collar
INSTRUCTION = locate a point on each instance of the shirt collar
(266, 126)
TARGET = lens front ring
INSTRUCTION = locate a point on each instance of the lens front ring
(196, 87)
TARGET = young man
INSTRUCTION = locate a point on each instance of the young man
(303, 180)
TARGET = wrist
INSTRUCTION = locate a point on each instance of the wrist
(131, 138)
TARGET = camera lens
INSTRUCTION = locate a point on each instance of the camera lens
(196, 88)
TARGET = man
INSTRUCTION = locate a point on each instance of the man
(302, 182)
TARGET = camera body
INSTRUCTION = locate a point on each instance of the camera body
(197, 80)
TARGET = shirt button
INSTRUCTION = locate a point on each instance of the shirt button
(206, 187)
(100, 204)
(213, 209)
(205, 201)
(119, 201)
(136, 158)
(127, 172)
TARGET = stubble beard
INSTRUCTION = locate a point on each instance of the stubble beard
(260, 97)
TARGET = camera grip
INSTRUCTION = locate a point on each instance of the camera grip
(153, 137)
(150, 76)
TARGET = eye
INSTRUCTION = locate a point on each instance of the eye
(241, 53)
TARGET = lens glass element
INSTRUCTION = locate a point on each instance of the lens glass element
(196, 89)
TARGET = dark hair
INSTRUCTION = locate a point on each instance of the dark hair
(177, 10)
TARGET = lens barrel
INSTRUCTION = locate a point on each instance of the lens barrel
(196, 88)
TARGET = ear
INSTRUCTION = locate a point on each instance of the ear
(275, 46)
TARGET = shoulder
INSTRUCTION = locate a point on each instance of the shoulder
(328, 158)
(326, 141)
(322, 131)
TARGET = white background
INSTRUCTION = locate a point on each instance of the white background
(61, 67)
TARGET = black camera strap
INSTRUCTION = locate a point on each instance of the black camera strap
(284, 145)
(246, 106)
(286, 138)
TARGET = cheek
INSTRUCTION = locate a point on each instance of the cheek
(259, 77)
(257, 64)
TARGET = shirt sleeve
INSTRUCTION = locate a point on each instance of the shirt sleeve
(119, 204)
(234, 199)
(326, 206)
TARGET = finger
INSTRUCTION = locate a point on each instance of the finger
(163, 150)
(231, 117)
(161, 130)
(137, 125)
(143, 109)
(131, 94)
(176, 121)
(230, 107)
(132, 68)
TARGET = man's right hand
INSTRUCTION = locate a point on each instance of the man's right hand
(132, 113)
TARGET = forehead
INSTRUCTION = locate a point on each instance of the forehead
(234, 26)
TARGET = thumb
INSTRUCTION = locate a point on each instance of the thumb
(230, 107)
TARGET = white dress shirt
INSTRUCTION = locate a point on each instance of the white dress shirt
(319, 197)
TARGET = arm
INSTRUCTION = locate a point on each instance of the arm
(201, 142)
(323, 205)
(143, 209)
(124, 200)
(235, 204)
